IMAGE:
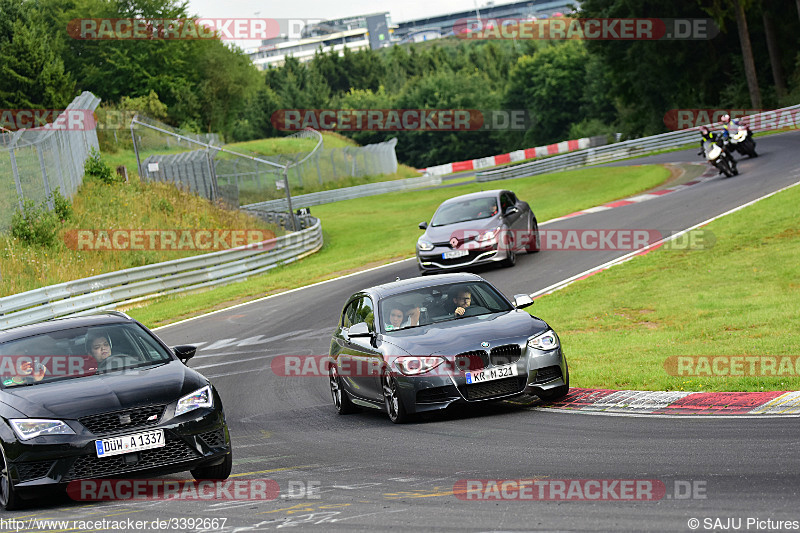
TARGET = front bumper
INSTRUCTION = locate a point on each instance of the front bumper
(538, 371)
(432, 261)
(192, 440)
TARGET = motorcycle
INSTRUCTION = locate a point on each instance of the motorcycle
(741, 140)
(717, 156)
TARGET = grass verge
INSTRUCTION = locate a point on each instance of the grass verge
(741, 297)
(375, 230)
(133, 206)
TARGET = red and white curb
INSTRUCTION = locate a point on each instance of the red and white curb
(511, 157)
(707, 175)
(677, 403)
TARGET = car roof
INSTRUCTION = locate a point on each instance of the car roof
(60, 324)
(404, 285)
(474, 195)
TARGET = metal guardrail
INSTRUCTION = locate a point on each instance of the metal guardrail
(611, 152)
(346, 193)
(107, 291)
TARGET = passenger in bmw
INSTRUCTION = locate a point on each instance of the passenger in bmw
(396, 316)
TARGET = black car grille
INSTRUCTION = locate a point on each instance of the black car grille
(29, 471)
(474, 360)
(108, 423)
(507, 354)
(543, 375)
(214, 439)
(490, 389)
(90, 466)
(436, 394)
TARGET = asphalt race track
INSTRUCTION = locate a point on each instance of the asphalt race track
(366, 474)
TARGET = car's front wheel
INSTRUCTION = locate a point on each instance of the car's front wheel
(394, 405)
(218, 472)
(9, 499)
(341, 400)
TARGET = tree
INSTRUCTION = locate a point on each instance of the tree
(32, 75)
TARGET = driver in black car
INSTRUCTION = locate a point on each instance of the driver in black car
(98, 345)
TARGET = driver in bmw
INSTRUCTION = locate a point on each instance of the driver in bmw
(462, 301)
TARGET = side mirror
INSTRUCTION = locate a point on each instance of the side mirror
(359, 330)
(510, 211)
(522, 301)
(184, 352)
(423, 225)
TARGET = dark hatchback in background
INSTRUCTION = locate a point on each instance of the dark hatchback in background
(405, 365)
(477, 229)
(142, 412)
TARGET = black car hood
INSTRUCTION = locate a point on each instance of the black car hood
(73, 398)
(459, 230)
(466, 334)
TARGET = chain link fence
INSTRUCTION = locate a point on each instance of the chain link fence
(240, 177)
(35, 162)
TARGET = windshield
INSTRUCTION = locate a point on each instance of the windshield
(77, 353)
(474, 209)
(442, 303)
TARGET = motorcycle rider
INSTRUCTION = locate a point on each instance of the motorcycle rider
(707, 135)
(726, 131)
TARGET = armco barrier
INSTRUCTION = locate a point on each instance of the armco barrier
(346, 193)
(611, 152)
(107, 291)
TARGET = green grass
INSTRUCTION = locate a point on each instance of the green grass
(741, 297)
(153, 206)
(379, 229)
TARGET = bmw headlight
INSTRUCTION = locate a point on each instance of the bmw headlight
(412, 365)
(28, 428)
(424, 245)
(196, 400)
(546, 341)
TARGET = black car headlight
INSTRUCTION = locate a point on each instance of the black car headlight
(28, 428)
(546, 341)
(196, 400)
(424, 245)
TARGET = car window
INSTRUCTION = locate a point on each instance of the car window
(505, 201)
(65, 354)
(438, 304)
(473, 209)
(360, 310)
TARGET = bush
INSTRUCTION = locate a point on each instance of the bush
(35, 225)
(96, 169)
(62, 206)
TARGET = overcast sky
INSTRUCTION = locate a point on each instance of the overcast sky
(399, 10)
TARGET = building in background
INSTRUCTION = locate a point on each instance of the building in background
(376, 30)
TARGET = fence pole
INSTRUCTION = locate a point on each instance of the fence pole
(136, 151)
(15, 171)
(47, 192)
(289, 196)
